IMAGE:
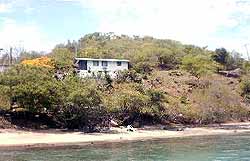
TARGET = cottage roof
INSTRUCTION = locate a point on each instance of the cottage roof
(92, 59)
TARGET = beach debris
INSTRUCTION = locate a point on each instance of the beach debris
(180, 129)
(113, 123)
(174, 128)
(130, 128)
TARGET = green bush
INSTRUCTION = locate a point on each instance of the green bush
(127, 98)
(245, 89)
(143, 68)
(73, 102)
(246, 67)
(4, 99)
(168, 62)
(132, 102)
(157, 102)
(32, 88)
(82, 107)
(128, 76)
(63, 58)
(198, 65)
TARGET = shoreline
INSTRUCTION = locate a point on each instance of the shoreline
(18, 140)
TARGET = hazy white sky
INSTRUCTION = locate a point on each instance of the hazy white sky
(40, 24)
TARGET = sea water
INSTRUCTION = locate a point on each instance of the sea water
(206, 148)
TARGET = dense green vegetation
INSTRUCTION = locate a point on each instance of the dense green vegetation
(167, 82)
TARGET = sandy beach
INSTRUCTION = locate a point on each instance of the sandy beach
(10, 138)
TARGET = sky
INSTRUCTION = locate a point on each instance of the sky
(41, 24)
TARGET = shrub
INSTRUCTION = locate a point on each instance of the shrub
(168, 62)
(246, 67)
(133, 103)
(73, 102)
(218, 103)
(157, 102)
(181, 113)
(82, 108)
(128, 76)
(143, 68)
(63, 58)
(4, 99)
(245, 89)
(31, 87)
(198, 65)
(127, 98)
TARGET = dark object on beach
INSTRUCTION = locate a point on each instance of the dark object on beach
(174, 128)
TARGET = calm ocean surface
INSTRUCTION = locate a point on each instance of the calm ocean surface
(209, 148)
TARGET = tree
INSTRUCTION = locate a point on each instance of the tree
(221, 55)
(72, 102)
(42, 62)
(230, 60)
(82, 106)
(63, 58)
(31, 87)
(234, 61)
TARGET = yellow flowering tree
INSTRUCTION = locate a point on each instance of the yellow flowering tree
(42, 62)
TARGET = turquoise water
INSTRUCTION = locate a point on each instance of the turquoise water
(209, 148)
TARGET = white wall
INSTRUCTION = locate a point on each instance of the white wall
(112, 68)
(3, 68)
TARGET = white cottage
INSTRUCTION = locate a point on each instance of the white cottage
(88, 67)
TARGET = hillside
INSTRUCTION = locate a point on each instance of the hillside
(168, 82)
